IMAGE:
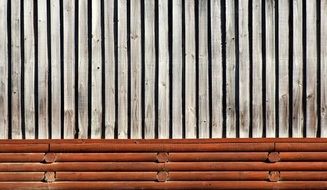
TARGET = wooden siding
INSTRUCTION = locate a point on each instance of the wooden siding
(163, 68)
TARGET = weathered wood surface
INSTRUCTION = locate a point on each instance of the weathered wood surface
(162, 69)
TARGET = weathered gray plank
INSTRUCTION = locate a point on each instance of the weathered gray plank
(110, 106)
(203, 70)
(230, 69)
(96, 99)
(283, 60)
(55, 70)
(136, 70)
(16, 61)
(257, 115)
(69, 68)
(297, 115)
(83, 58)
(190, 99)
(4, 64)
(216, 70)
(122, 69)
(177, 120)
(149, 75)
(323, 61)
(43, 70)
(311, 66)
(244, 66)
(270, 69)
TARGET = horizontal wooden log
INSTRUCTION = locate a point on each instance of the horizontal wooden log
(21, 157)
(104, 147)
(303, 176)
(301, 147)
(218, 176)
(105, 157)
(106, 176)
(303, 156)
(21, 176)
(22, 148)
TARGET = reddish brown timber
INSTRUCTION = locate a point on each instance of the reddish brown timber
(106, 176)
(303, 156)
(22, 148)
(303, 176)
(21, 157)
(106, 157)
(301, 147)
(21, 176)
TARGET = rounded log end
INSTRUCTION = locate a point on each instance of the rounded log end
(162, 176)
(50, 157)
(162, 157)
(49, 177)
(274, 176)
(274, 157)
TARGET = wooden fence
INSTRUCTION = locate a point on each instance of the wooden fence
(163, 68)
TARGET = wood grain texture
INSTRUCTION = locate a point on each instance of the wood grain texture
(297, 115)
(216, 70)
(4, 75)
(311, 69)
(323, 54)
(230, 70)
(69, 69)
(43, 71)
(177, 58)
(96, 71)
(16, 72)
(257, 110)
(149, 75)
(164, 68)
(83, 71)
(110, 69)
(190, 99)
(244, 68)
(55, 70)
(283, 68)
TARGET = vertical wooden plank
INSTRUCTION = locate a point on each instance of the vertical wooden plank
(230, 69)
(203, 70)
(297, 115)
(270, 69)
(29, 69)
(163, 92)
(244, 66)
(4, 70)
(110, 106)
(16, 61)
(190, 109)
(96, 115)
(136, 69)
(257, 114)
(55, 70)
(122, 69)
(149, 75)
(323, 61)
(311, 66)
(43, 70)
(83, 58)
(283, 60)
(69, 68)
(216, 69)
(177, 57)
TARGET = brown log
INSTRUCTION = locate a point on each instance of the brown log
(219, 176)
(301, 147)
(303, 156)
(303, 176)
(221, 156)
(23, 148)
(21, 157)
(21, 176)
(106, 157)
(106, 176)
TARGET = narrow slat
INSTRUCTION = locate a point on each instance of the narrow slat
(43, 71)
(110, 104)
(323, 54)
(270, 69)
(203, 70)
(96, 115)
(244, 66)
(230, 70)
(83, 57)
(16, 63)
(177, 70)
(216, 70)
(311, 69)
(190, 99)
(257, 115)
(163, 61)
(69, 69)
(283, 60)
(55, 70)
(297, 115)
(149, 75)
(122, 69)
(4, 64)
(136, 69)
